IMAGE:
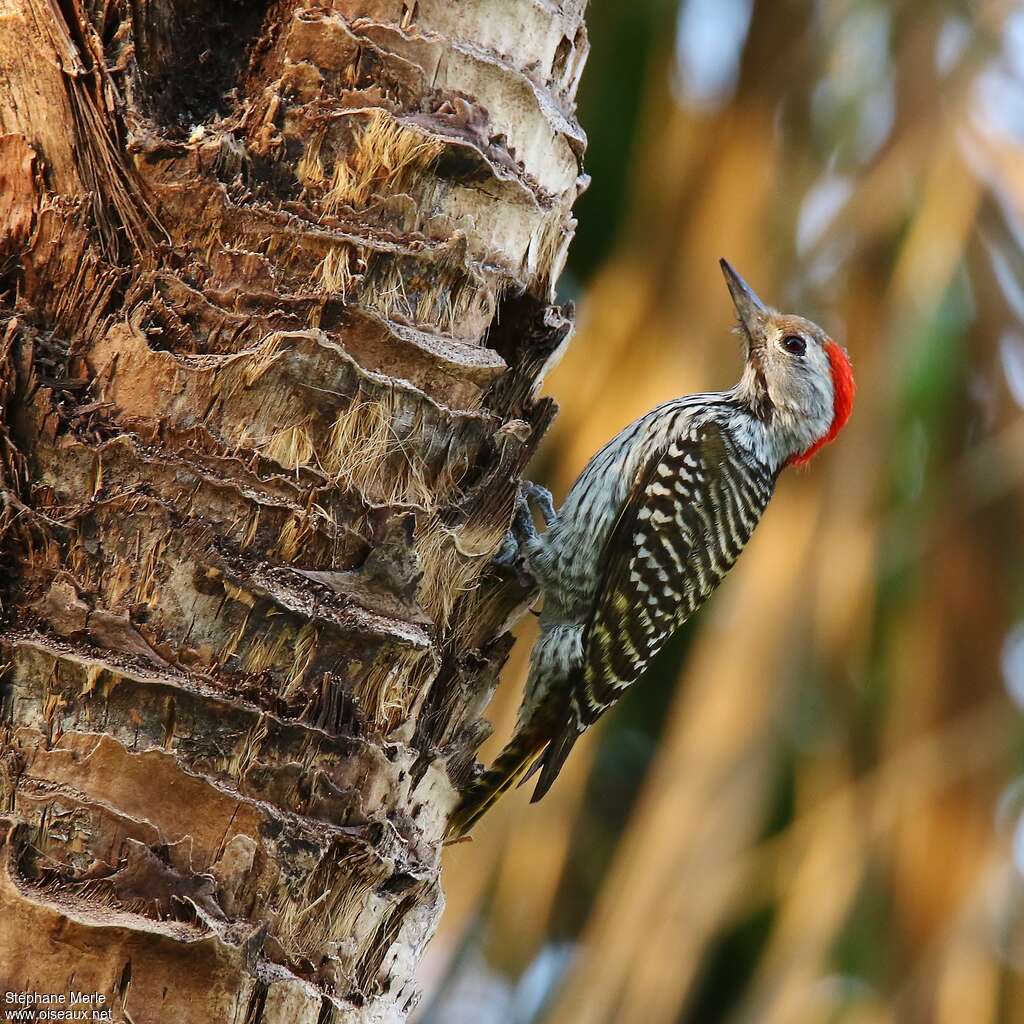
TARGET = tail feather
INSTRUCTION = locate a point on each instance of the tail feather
(551, 763)
(479, 796)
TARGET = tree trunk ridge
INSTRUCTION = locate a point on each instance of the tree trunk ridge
(276, 297)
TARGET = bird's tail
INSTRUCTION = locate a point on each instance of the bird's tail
(508, 769)
(551, 763)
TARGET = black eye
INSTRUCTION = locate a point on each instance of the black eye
(794, 345)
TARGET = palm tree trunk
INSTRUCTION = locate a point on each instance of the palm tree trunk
(276, 295)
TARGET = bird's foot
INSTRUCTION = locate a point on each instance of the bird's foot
(522, 530)
(541, 497)
(510, 555)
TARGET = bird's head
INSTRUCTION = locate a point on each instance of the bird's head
(796, 377)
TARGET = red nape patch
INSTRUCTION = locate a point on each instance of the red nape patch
(843, 389)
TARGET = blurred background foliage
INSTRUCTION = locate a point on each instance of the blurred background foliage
(810, 810)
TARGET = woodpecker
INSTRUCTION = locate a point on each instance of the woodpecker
(650, 528)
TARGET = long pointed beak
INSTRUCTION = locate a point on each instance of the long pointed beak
(750, 309)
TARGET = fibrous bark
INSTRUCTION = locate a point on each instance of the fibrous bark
(277, 294)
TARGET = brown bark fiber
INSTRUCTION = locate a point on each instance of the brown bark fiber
(276, 296)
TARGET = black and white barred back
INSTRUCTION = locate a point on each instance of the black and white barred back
(693, 508)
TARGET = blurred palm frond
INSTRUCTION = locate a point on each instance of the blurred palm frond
(794, 818)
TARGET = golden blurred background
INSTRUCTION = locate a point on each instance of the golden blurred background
(810, 810)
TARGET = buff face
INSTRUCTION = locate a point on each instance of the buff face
(795, 373)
